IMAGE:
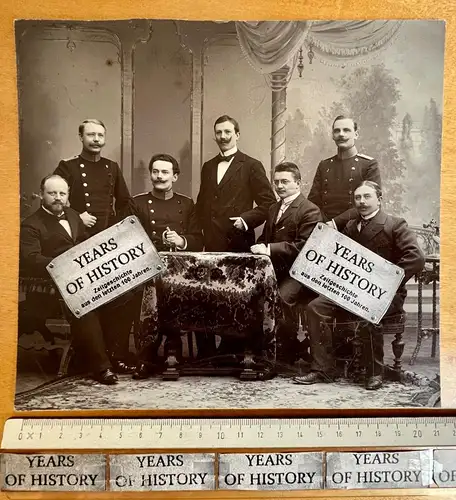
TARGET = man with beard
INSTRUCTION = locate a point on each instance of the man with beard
(170, 221)
(336, 177)
(50, 231)
(390, 238)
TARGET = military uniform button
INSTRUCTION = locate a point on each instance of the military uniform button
(149, 201)
(82, 165)
(350, 180)
(107, 166)
(85, 184)
(327, 170)
(154, 232)
(325, 192)
(353, 168)
(180, 211)
(326, 180)
(152, 211)
(152, 222)
(178, 201)
(87, 194)
(356, 159)
(350, 192)
(87, 204)
(84, 174)
(325, 203)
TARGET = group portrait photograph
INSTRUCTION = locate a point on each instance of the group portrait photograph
(229, 214)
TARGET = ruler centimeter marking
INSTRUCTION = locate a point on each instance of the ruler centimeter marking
(224, 433)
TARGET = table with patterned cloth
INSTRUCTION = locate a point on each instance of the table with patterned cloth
(227, 294)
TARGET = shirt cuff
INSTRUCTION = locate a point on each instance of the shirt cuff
(268, 249)
(246, 227)
(185, 244)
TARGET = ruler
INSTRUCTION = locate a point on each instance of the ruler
(228, 433)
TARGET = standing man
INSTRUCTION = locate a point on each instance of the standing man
(230, 184)
(97, 188)
(170, 221)
(390, 238)
(50, 231)
(288, 225)
(99, 194)
(337, 177)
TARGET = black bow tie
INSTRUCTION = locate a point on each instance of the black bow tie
(225, 158)
(62, 217)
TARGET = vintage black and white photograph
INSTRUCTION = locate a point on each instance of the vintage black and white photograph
(229, 214)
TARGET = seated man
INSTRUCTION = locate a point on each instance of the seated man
(390, 238)
(170, 222)
(50, 231)
(289, 223)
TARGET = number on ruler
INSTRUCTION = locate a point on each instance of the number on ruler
(220, 435)
(260, 434)
(417, 433)
(339, 434)
(240, 434)
(359, 433)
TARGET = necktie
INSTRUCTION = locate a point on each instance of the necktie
(363, 223)
(283, 207)
(225, 158)
(62, 217)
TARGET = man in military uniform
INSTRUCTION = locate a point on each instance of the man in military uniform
(337, 177)
(170, 221)
(99, 194)
(97, 186)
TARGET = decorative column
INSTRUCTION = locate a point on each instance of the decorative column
(278, 120)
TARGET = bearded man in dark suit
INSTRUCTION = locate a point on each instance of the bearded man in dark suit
(231, 183)
(289, 223)
(50, 231)
(389, 237)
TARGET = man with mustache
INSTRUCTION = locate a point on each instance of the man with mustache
(97, 187)
(50, 231)
(170, 221)
(99, 193)
(389, 237)
(290, 222)
(337, 177)
(231, 183)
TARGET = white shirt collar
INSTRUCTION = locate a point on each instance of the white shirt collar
(372, 215)
(291, 198)
(229, 152)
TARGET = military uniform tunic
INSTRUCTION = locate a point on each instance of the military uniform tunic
(335, 181)
(97, 188)
(176, 213)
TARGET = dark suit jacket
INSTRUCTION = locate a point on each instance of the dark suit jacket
(42, 238)
(391, 238)
(244, 183)
(291, 232)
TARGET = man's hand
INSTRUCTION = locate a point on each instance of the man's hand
(171, 238)
(87, 219)
(238, 223)
(259, 249)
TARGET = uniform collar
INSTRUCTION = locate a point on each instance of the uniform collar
(346, 154)
(89, 157)
(167, 195)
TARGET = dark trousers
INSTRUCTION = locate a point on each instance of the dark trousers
(320, 315)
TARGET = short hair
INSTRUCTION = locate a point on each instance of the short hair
(226, 118)
(90, 120)
(165, 157)
(288, 166)
(376, 187)
(343, 117)
(52, 176)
